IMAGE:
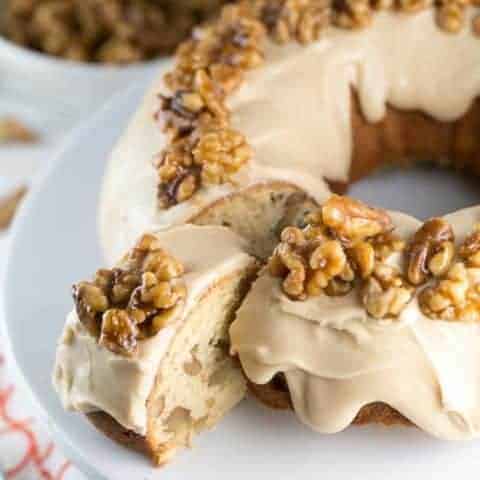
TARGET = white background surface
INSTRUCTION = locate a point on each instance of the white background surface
(55, 245)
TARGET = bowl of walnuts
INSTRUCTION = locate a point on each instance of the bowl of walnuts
(82, 51)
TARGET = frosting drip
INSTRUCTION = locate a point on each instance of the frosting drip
(295, 110)
(336, 358)
(89, 377)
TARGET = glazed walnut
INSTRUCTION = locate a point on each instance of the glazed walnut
(210, 159)
(300, 20)
(430, 251)
(343, 243)
(204, 149)
(386, 293)
(133, 301)
(455, 296)
(353, 221)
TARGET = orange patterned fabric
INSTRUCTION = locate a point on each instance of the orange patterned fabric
(26, 452)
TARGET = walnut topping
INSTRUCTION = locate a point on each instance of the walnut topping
(213, 158)
(430, 251)
(119, 332)
(132, 301)
(454, 298)
(353, 221)
(470, 249)
(300, 20)
(221, 153)
(451, 15)
(456, 294)
(204, 149)
(385, 293)
(353, 14)
(344, 242)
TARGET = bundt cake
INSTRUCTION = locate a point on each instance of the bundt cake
(360, 315)
(144, 353)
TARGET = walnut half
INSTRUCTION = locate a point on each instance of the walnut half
(430, 251)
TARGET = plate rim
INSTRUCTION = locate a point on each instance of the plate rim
(37, 186)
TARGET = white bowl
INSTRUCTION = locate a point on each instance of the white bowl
(80, 86)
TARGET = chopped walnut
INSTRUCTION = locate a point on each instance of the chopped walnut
(363, 256)
(300, 20)
(353, 221)
(387, 244)
(430, 251)
(221, 153)
(353, 14)
(204, 149)
(451, 15)
(344, 243)
(455, 296)
(133, 301)
(470, 249)
(213, 159)
(113, 31)
(119, 332)
(337, 246)
(386, 293)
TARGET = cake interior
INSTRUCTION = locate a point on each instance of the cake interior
(198, 381)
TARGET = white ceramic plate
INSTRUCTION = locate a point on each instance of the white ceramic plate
(55, 245)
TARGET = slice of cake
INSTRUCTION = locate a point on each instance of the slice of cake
(144, 353)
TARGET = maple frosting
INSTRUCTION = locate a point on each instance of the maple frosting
(336, 358)
(295, 112)
(88, 377)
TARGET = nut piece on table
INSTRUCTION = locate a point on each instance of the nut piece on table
(9, 205)
(13, 130)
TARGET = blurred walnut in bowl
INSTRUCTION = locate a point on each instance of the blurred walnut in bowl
(105, 31)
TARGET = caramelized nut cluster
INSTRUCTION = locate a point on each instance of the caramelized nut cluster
(455, 295)
(431, 251)
(344, 242)
(203, 148)
(110, 31)
(386, 292)
(300, 20)
(133, 301)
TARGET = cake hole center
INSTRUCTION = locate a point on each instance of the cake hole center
(423, 191)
